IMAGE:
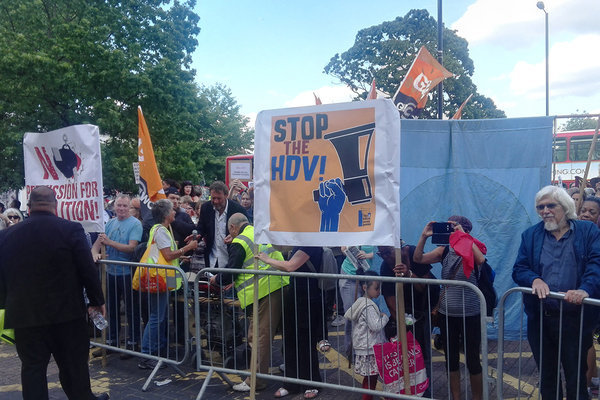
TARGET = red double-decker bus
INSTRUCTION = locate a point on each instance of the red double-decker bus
(570, 154)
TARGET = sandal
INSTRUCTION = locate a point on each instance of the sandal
(311, 393)
(323, 346)
(281, 392)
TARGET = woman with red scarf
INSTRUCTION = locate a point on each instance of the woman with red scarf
(459, 308)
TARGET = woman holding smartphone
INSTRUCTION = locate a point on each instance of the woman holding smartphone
(458, 308)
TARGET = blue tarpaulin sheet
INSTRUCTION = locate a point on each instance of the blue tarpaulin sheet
(486, 170)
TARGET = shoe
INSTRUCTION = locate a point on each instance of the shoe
(311, 393)
(241, 387)
(281, 392)
(103, 396)
(338, 321)
(98, 353)
(150, 364)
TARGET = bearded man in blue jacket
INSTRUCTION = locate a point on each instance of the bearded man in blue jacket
(559, 254)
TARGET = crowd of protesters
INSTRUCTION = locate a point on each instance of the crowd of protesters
(198, 227)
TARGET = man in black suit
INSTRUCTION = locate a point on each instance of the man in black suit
(45, 263)
(212, 224)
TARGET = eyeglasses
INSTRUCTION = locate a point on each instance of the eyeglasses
(550, 206)
(384, 253)
(14, 217)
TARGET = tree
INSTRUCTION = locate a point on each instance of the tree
(578, 124)
(386, 51)
(67, 62)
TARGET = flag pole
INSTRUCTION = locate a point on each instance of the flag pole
(587, 165)
(401, 326)
(440, 57)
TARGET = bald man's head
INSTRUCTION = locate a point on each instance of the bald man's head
(42, 198)
(235, 223)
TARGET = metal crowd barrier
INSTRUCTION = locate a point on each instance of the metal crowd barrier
(175, 349)
(528, 382)
(221, 328)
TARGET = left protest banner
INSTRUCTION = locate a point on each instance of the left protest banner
(68, 161)
(328, 175)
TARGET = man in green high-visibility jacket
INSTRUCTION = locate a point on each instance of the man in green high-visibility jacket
(241, 256)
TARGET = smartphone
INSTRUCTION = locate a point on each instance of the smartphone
(441, 232)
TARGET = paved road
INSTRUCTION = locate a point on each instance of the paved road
(123, 380)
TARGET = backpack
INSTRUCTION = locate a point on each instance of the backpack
(485, 283)
(328, 266)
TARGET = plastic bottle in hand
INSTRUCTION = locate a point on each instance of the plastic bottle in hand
(99, 321)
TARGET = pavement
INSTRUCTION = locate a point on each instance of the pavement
(122, 379)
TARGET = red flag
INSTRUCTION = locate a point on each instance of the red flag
(317, 100)
(458, 114)
(424, 74)
(150, 185)
(373, 92)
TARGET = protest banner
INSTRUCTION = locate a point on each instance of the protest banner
(68, 161)
(328, 175)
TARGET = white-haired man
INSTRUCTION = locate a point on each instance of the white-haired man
(559, 254)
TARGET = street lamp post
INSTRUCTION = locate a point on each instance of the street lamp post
(540, 5)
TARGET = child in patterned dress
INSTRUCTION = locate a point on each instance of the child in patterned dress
(368, 324)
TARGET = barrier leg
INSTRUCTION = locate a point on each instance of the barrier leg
(152, 374)
(205, 384)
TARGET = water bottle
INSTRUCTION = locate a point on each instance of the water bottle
(100, 322)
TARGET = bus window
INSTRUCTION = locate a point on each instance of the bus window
(580, 146)
(560, 150)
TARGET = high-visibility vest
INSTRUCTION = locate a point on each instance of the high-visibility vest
(170, 274)
(244, 283)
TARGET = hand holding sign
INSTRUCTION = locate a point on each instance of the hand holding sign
(331, 201)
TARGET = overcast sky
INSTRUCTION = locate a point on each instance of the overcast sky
(271, 53)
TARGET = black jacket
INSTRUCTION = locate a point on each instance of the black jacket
(45, 263)
(206, 224)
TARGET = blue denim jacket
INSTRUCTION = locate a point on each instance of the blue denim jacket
(587, 254)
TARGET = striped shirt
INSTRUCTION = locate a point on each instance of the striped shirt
(457, 301)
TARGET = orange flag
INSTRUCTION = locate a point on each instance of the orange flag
(373, 92)
(317, 100)
(458, 114)
(150, 184)
(424, 74)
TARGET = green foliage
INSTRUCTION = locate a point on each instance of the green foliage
(386, 51)
(578, 124)
(67, 62)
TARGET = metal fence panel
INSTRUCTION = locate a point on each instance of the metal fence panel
(222, 347)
